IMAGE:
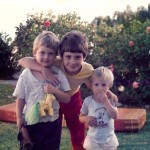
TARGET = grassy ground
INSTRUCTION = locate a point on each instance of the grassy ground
(128, 140)
(135, 140)
(8, 137)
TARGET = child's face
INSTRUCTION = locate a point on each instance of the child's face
(72, 62)
(45, 56)
(99, 84)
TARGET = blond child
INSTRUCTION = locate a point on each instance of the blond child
(30, 90)
(98, 112)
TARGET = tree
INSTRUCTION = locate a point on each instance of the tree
(36, 23)
(5, 56)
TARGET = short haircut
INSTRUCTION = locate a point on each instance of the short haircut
(103, 73)
(48, 39)
(74, 42)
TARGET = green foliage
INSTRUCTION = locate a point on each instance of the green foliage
(131, 62)
(108, 44)
(5, 56)
(25, 34)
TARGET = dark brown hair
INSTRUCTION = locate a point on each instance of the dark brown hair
(74, 42)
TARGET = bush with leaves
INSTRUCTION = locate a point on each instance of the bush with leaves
(128, 52)
(38, 22)
(6, 68)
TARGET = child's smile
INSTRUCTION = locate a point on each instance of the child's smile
(72, 62)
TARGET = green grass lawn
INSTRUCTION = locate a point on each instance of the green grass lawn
(8, 137)
(128, 140)
(135, 140)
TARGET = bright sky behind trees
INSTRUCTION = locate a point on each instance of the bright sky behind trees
(13, 12)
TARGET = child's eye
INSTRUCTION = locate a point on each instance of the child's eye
(96, 84)
(103, 84)
(42, 52)
(50, 53)
(78, 57)
(68, 57)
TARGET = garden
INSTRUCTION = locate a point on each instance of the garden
(121, 42)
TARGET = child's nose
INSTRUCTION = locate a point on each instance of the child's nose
(100, 89)
(73, 61)
(46, 56)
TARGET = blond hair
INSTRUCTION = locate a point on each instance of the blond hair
(103, 73)
(48, 39)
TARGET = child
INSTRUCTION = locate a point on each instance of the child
(30, 90)
(99, 112)
(73, 50)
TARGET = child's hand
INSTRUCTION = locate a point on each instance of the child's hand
(91, 121)
(49, 76)
(101, 97)
(48, 88)
(112, 96)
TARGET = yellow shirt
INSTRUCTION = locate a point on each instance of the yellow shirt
(77, 80)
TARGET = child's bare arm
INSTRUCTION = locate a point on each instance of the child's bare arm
(88, 83)
(50, 76)
(60, 95)
(112, 96)
(112, 111)
(88, 120)
(19, 112)
(31, 63)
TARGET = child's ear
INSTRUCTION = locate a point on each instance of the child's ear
(111, 67)
(34, 53)
(84, 58)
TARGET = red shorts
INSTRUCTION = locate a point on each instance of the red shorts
(71, 113)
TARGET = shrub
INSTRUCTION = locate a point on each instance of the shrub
(36, 23)
(129, 52)
(5, 56)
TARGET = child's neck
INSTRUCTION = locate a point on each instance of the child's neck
(95, 99)
(38, 75)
